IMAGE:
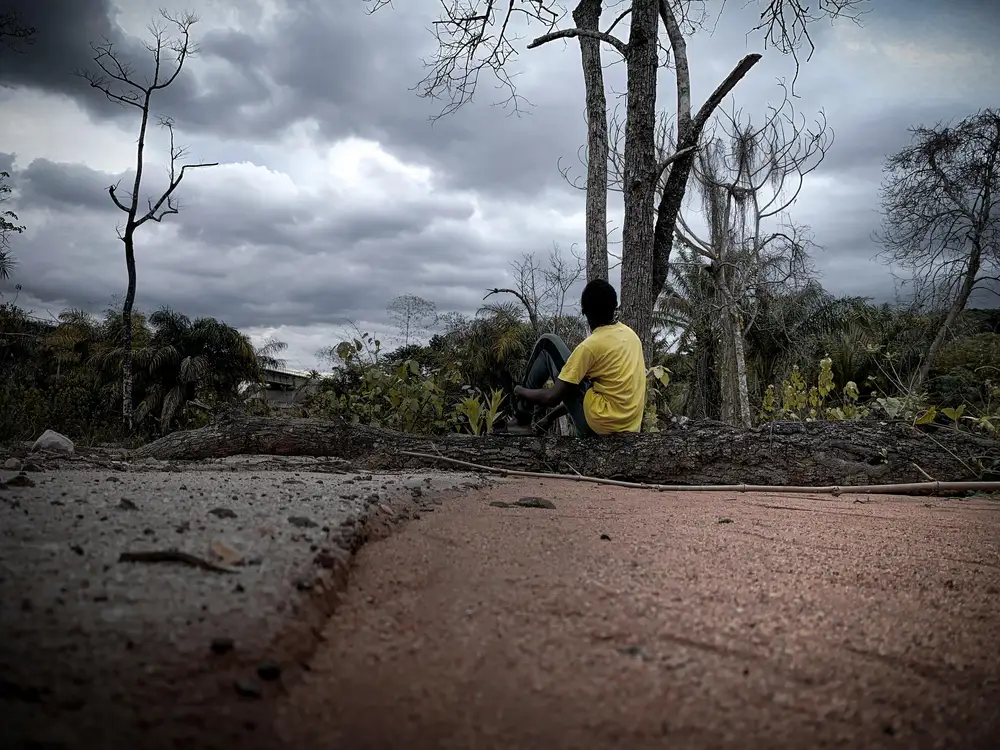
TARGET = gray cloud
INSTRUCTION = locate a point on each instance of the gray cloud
(253, 262)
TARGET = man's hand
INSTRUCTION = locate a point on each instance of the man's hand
(547, 397)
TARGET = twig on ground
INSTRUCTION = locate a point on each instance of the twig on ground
(944, 448)
(926, 475)
(173, 555)
(571, 468)
(875, 489)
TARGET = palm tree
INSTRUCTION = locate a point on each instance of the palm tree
(687, 306)
(797, 327)
(185, 360)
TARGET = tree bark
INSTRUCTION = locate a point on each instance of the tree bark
(778, 453)
(128, 391)
(733, 376)
(640, 172)
(587, 16)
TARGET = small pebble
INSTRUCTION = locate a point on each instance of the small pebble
(222, 645)
(269, 671)
(247, 689)
(535, 502)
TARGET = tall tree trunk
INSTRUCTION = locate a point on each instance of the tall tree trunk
(742, 386)
(637, 293)
(957, 306)
(733, 370)
(727, 362)
(128, 391)
(587, 16)
(704, 390)
(128, 239)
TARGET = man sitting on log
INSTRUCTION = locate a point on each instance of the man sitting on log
(601, 385)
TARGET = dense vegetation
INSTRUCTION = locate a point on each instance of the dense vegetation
(812, 356)
(65, 374)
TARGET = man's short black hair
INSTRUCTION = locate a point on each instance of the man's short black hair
(599, 302)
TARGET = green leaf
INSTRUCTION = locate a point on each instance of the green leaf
(953, 414)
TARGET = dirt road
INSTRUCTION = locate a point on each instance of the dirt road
(101, 653)
(637, 620)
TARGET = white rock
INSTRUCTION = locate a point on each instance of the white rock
(12, 464)
(51, 440)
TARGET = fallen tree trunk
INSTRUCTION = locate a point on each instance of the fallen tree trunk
(778, 453)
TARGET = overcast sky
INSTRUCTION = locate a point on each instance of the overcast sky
(335, 191)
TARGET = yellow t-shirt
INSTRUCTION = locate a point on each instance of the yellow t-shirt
(611, 358)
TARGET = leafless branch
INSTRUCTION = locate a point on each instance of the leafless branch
(786, 23)
(166, 204)
(776, 157)
(543, 289)
(473, 37)
(118, 80)
(613, 41)
(112, 191)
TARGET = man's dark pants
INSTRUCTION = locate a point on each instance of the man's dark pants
(545, 363)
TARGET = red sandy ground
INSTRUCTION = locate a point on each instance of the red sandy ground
(699, 621)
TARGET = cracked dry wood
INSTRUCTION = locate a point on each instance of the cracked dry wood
(778, 453)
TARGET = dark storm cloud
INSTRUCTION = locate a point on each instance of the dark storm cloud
(353, 74)
(62, 45)
(66, 186)
(61, 49)
(350, 72)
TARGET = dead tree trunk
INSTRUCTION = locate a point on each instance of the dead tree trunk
(639, 183)
(128, 376)
(587, 16)
(778, 453)
(968, 283)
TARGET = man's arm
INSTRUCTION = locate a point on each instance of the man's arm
(547, 397)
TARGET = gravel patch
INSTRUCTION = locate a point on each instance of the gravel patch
(154, 605)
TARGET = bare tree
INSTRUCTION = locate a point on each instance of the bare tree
(117, 79)
(941, 215)
(587, 16)
(543, 289)
(747, 180)
(476, 36)
(527, 289)
(560, 276)
(412, 315)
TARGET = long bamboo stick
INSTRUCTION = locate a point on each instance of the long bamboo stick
(869, 489)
